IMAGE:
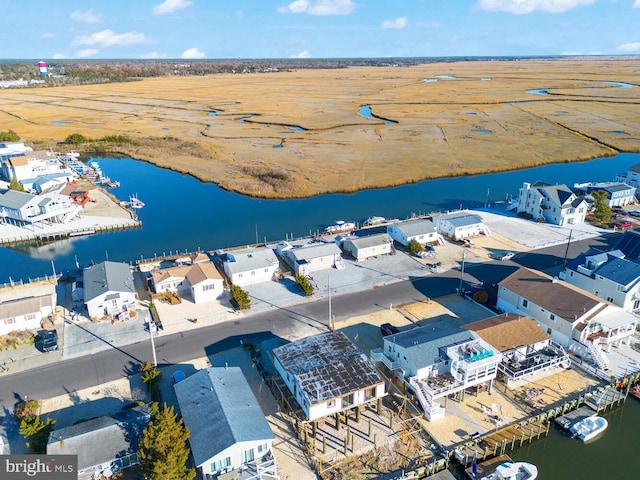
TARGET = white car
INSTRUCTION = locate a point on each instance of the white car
(507, 256)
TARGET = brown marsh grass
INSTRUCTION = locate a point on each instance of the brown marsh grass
(481, 120)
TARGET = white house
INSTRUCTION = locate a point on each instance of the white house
(199, 280)
(313, 257)
(248, 267)
(108, 290)
(362, 248)
(22, 208)
(570, 315)
(228, 428)
(30, 165)
(437, 361)
(26, 307)
(462, 224)
(632, 176)
(618, 194)
(328, 374)
(422, 230)
(104, 445)
(555, 204)
(527, 350)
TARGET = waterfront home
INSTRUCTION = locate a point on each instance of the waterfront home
(461, 225)
(29, 165)
(362, 248)
(250, 266)
(327, 374)
(20, 208)
(631, 177)
(313, 257)
(199, 280)
(228, 429)
(47, 183)
(9, 150)
(572, 316)
(422, 231)
(27, 307)
(108, 290)
(608, 275)
(555, 204)
(527, 350)
(104, 445)
(618, 194)
(437, 361)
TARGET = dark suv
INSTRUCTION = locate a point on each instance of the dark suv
(388, 329)
(49, 340)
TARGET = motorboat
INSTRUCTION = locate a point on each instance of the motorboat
(589, 427)
(513, 471)
(373, 221)
(135, 202)
(340, 226)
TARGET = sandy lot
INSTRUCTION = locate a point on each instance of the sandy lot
(301, 133)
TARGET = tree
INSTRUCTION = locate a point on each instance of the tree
(304, 284)
(240, 298)
(414, 246)
(601, 210)
(162, 448)
(75, 139)
(14, 184)
(9, 136)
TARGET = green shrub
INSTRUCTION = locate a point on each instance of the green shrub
(240, 298)
(305, 286)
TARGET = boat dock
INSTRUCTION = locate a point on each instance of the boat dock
(487, 467)
(569, 419)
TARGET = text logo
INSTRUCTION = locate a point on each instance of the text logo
(45, 467)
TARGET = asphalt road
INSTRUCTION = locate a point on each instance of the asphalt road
(79, 373)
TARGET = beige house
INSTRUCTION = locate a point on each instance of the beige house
(27, 307)
(199, 280)
(362, 248)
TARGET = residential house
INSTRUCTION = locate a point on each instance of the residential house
(555, 204)
(29, 165)
(199, 280)
(228, 430)
(108, 290)
(312, 257)
(527, 350)
(572, 316)
(618, 194)
(460, 225)
(251, 266)
(12, 149)
(327, 374)
(28, 306)
(104, 445)
(422, 231)
(362, 248)
(631, 177)
(20, 208)
(437, 361)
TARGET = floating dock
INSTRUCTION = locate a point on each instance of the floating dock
(487, 467)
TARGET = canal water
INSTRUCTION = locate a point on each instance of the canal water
(183, 213)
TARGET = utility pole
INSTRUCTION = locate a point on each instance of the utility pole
(153, 345)
(329, 290)
(566, 252)
(461, 274)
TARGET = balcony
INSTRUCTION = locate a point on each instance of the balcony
(377, 355)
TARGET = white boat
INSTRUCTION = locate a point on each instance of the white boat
(372, 221)
(513, 471)
(340, 226)
(589, 427)
(135, 202)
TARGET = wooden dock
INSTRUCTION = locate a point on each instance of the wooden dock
(569, 419)
(487, 467)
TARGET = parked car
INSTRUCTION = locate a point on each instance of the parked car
(634, 213)
(506, 256)
(425, 254)
(388, 329)
(626, 225)
(49, 339)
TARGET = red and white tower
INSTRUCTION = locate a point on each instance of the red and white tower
(43, 68)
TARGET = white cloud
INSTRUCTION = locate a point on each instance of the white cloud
(169, 6)
(636, 4)
(397, 23)
(87, 17)
(429, 24)
(302, 54)
(108, 38)
(320, 7)
(47, 35)
(519, 7)
(192, 53)
(154, 54)
(629, 47)
(58, 56)
(87, 52)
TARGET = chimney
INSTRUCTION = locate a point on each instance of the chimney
(554, 280)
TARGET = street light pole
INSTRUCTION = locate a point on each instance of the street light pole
(153, 345)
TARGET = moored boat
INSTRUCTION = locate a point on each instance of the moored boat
(135, 202)
(372, 221)
(588, 428)
(510, 471)
(340, 226)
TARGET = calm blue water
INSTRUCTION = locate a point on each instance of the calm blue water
(183, 213)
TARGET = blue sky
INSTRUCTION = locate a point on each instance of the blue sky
(142, 29)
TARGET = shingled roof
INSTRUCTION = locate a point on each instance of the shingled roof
(507, 331)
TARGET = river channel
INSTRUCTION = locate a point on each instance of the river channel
(183, 213)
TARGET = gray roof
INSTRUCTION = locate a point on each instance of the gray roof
(370, 240)
(101, 439)
(327, 366)
(247, 260)
(461, 219)
(560, 194)
(635, 168)
(610, 187)
(413, 228)
(14, 199)
(220, 410)
(619, 270)
(24, 306)
(316, 250)
(423, 344)
(105, 277)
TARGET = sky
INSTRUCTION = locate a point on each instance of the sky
(232, 29)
